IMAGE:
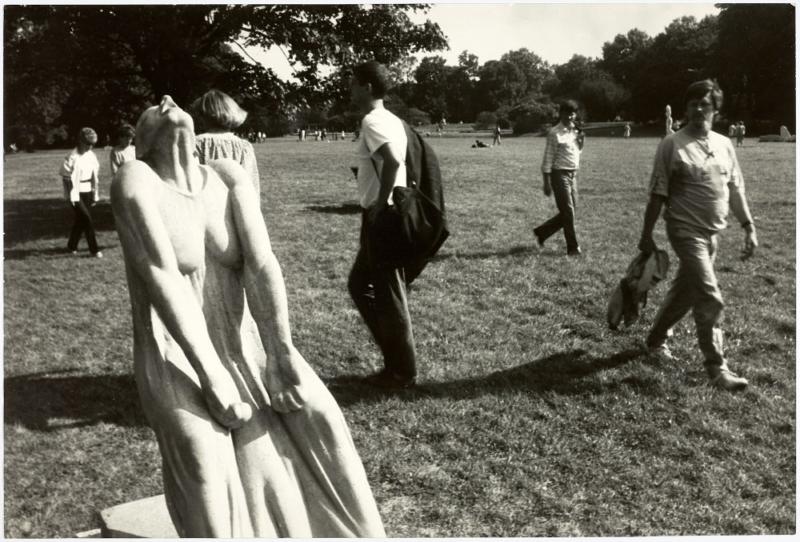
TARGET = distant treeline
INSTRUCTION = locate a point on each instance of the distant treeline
(70, 66)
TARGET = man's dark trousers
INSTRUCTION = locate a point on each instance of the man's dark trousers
(565, 191)
(380, 296)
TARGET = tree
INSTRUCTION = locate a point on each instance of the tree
(469, 64)
(430, 92)
(756, 57)
(533, 69)
(622, 57)
(186, 49)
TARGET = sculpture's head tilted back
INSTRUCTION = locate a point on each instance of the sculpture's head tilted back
(161, 124)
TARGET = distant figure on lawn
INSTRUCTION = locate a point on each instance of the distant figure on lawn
(496, 140)
(252, 442)
(479, 145)
(740, 133)
(122, 151)
(221, 115)
(379, 291)
(562, 154)
(80, 175)
(696, 176)
(626, 131)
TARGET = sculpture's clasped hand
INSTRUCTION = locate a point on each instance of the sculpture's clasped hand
(284, 382)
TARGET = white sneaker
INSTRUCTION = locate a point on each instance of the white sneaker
(727, 380)
(98, 254)
(661, 353)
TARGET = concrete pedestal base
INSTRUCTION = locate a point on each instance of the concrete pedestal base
(146, 518)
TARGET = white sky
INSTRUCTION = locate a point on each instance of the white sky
(553, 31)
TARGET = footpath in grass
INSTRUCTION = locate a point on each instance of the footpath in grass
(531, 418)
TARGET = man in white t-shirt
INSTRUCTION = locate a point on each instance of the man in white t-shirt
(379, 292)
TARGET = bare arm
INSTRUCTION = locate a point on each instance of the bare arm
(148, 251)
(651, 214)
(266, 293)
(388, 173)
(740, 209)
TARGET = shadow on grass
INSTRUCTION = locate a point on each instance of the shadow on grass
(27, 220)
(561, 373)
(50, 403)
(341, 209)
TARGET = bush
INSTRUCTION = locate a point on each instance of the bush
(415, 117)
(531, 116)
(485, 120)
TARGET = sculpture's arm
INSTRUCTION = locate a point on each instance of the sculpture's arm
(148, 251)
(265, 291)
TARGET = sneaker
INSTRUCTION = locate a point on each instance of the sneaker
(727, 380)
(73, 252)
(98, 254)
(661, 353)
(574, 251)
(386, 380)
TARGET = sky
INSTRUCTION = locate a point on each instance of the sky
(553, 31)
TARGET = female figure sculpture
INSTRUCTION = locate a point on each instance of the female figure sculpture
(252, 442)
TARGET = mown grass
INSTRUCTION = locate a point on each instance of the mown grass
(531, 417)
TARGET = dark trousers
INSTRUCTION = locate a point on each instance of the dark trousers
(380, 297)
(83, 223)
(565, 192)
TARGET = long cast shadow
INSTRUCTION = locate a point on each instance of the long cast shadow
(341, 209)
(561, 373)
(27, 220)
(52, 402)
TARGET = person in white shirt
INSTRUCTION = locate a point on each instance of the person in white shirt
(379, 291)
(562, 154)
(80, 176)
(697, 178)
(122, 151)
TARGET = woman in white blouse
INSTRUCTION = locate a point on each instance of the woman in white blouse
(80, 175)
(220, 115)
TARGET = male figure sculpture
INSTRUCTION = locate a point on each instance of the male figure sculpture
(252, 442)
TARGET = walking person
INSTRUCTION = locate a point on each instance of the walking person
(560, 164)
(697, 178)
(378, 290)
(496, 140)
(123, 150)
(80, 174)
(740, 132)
(220, 116)
(626, 131)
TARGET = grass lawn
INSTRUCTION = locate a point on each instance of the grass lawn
(531, 417)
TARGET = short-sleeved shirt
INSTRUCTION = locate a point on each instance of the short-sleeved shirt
(561, 150)
(79, 167)
(213, 146)
(695, 176)
(118, 157)
(379, 127)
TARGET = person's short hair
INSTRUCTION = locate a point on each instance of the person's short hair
(125, 131)
(568, 106)
(376, 75)
(218, 110)
(699, 89)
(87, 136)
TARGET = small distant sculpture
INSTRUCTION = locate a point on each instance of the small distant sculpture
(252, 442)
(785, 136)
(668, 121)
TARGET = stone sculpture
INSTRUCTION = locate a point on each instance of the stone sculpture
(252, 442)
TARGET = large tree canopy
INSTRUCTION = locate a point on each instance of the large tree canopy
(89, 57)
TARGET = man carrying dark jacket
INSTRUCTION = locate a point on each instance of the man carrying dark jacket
(379, 291)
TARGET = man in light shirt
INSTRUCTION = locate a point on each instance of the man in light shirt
(378, 291)
(562, 154)
(697, 178)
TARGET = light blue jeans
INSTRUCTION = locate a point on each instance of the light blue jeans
(695, 287)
